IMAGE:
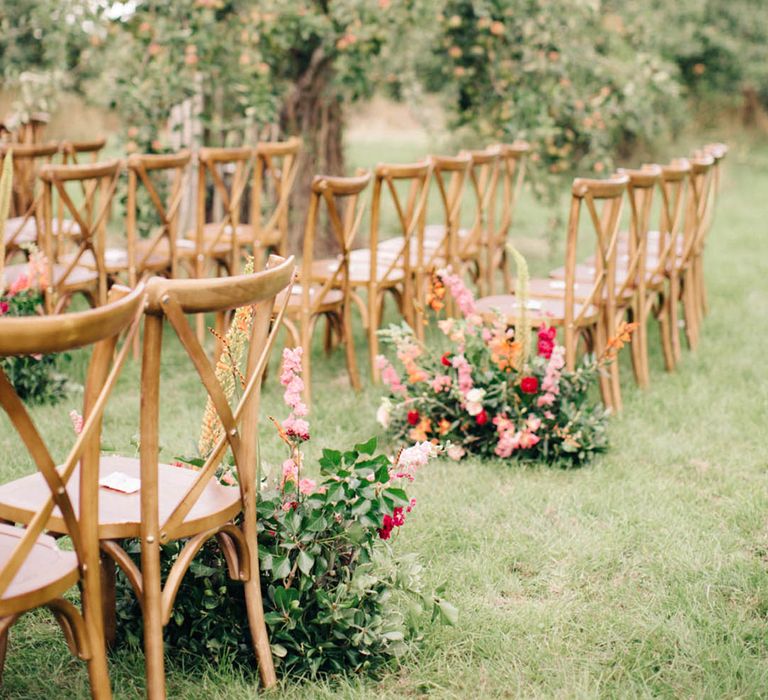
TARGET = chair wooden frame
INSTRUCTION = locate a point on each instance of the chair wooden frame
(21, 336)
(276, 165)
(224, 241)
(161, 252)
(98, 182)
(591, 314)
(512, 164)
(26, 214)
(329, 294)
(71, 150)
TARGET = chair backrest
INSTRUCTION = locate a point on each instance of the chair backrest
(89, 209)
(512, 164)
(99, 328)
(603, 200)
(229, 171)
(405, 188)
(344, 208)
(484, 178)
(674, 190)
(640, 192)
(252, 296)
(27, 193)
(450, 174)
(274, 174)
(73, 150)
(165, 193)
(717, 151)
(700, 180)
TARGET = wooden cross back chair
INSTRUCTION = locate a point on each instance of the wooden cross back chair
(34, 571)
(76, 256)
(689, 261)
(163, 178)
(274, 175)
(325, 288)
(470, 242)
(73, 150)
(591, 315)
(512, 165)
(26, 205)
(402, 190)
(224, 239)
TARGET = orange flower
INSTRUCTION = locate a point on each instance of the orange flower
(623, 336)
(443, 426)
(419, 432)
(436, 294)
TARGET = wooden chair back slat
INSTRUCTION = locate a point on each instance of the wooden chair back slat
(176, 300)
(101, 329)
(275, 168)
(699, 187)
(173, 167)
(98, 183)
(483, 177)
(673, 187)
(450, 174)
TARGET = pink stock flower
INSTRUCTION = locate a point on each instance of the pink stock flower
(546, 340)
(550, 385)
(440, 382)
(307, 487)
(20, 284)
(290, 470)
(389, 375)
(412, 459)
(296, 427)
(290, 378)
(464, 298)
(462, 366)
(77, 421)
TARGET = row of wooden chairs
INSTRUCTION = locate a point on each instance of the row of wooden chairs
(635, 274)
(65, 209)
(171, 503)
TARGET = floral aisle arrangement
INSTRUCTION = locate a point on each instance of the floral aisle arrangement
(337, 597)
(35, 377)
(482, 391)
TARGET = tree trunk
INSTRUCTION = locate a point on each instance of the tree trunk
(314, 111)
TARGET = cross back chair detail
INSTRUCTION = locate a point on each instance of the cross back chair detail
(72, 150)
(223, 241)
(274, 175)
(25, 221)
(34, 572)
(163, 250)
(84, 269)
(512, 165)
(592, 314)
(327, 291)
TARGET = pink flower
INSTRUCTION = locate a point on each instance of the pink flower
(290, 470)
(533, 423)
(455, 452)
(546, 340)
(412, 459)
(464, 298)
(440, 382)
(389, 375)
(228, 478)
(4, 306)
(296, 427)
(77, 421)
(464, 370)
(550, 385)
(20, 284)
(307, 487)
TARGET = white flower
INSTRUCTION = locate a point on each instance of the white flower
(383, 414)
(474, 401)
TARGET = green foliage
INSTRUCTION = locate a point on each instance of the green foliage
(336, 598)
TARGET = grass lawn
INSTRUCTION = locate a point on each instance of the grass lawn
(643, 574)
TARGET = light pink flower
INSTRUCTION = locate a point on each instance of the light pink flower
(77, 421)
(464, 370)
(440, 382)
(412, 459)
(389, 375)
(455, 452)
(307, 487)
(463, 296)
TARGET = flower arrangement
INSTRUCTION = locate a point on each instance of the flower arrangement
(34, 377)
(484, 392)
(337, 599)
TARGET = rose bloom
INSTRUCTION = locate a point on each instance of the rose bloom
(413, 417)
(529, 385)
(482, 417)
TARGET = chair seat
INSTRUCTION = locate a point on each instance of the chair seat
(120, 513)
(331, 300)
(540, 310)
(435, 233)
(359, 269)
(389, 250)
(116, 259)
(243, 233)
(79, 276)
(47, 571)
(20, 230)
(218, 248)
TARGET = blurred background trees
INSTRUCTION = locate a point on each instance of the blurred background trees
(583, 80)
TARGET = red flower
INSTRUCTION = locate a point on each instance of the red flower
(4, 306)
(386, 527)
(546, 341)
(397, 517)
(529, 385)
(445, 359)
(482, 417)
(413, 417)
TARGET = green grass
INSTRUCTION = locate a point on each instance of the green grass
(643, 574)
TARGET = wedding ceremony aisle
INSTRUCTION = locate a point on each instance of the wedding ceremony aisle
(642, 574)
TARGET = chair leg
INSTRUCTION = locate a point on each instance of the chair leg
(604, 379)
(3, 651)
(349, 346)
(255, 608)
(690, 310)
(93, 615)
(674, 318)
(109, 599)
(701, 286)
(373, 328)
(153, 620)
(666, 334)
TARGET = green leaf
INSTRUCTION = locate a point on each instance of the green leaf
(448, 613)
(281, 567)
(306, 562)
(367, 448)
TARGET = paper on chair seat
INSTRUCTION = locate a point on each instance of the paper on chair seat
(533, 305)
(117, 481)
(557, 284)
